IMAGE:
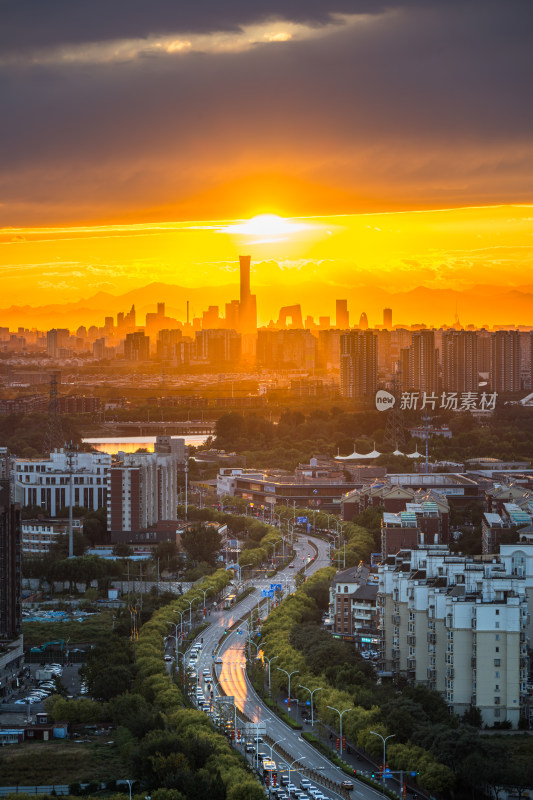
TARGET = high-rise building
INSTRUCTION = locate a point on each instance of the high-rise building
(505, 362)
(342, 315)
(137, 347)
(296, 349)
(10, 566)
(363, 321)
(56, 339)
(358, 364)
(458, 625)
(460, 371)
(218, 346)
(141, 491)
(423, 366)
(387, 318)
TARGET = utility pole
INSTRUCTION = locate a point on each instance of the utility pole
(70, 458)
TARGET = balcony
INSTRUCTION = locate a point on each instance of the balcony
(432, 638)
(411, 641)
(450, 673)
(396, 619)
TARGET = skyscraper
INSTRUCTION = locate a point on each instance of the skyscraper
(423, 363)
(363, 321)
(387, 318)
(358, 362)
(460, 369)
(247, 309)
(342, 315)
(505, 361)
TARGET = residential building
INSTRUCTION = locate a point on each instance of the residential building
(460, 370)
(137, 347)
(353, 594)
(46, 482)
(458, 625)
(11, 650)
(358, 364)
(141, 491)
(38, 535)
(505, 365)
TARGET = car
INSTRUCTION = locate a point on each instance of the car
(290, 787)
(206, 673)
(291, 566)
(168, 658)
(348, 785)
(219, 660)
(284, 779)
(20, 702)
(250, 748)
(305, 784)
(303, 797)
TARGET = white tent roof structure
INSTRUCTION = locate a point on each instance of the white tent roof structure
(416, 454)
(359, 456)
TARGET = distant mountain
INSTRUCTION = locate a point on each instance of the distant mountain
(480, 305)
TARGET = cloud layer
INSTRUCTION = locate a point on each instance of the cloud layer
(172, 110)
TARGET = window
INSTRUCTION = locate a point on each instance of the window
(496, 662)
(496, 649)
(497, 624)
(497, 637)
(497, 688)
(497, 674)
(497, 612)
(496, 701)
(345, 589)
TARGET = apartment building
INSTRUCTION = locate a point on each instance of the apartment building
(141, 491)
(45, 482)
(420, 523)
(353, 607)
(458, 625)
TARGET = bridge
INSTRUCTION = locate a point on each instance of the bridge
(195, 428)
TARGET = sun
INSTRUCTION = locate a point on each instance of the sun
(266, 226)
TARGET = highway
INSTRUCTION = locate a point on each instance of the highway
(223, 655)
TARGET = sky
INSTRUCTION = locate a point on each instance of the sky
(396, 137)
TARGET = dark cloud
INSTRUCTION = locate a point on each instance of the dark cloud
(34, 23)
(421, 105)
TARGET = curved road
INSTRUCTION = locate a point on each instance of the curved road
(229, 650)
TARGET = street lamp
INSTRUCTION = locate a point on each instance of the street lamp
(318, 689)
(274, 549)
(129, 785)
(296, 760)
(190, 602)
(181, 613)
(260, 722)
(272, 658)
(176, 637)
(384, 740)
(340, 713)
(186, 473)
(289, 674)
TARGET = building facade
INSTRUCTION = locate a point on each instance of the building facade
(457, 625)
(46, 482)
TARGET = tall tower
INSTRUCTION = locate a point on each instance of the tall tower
(54, 438)
(387, 318)
(244, 262)
(342, 316)
(247, 310)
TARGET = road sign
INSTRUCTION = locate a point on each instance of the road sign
(275, 587)
(301, 520)
(267, 592)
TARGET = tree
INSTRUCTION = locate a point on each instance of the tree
(202, 543)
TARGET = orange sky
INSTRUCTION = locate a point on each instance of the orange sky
(455, 249)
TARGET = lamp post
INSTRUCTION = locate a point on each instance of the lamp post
(341, 714)
(296, 760)
(274, 550)
(176, 638)
(129, 785)
(181, 613)
(190, 602)
(289, 675)
(384, 740)
(204, 592)
(318, 689)
(260, 722)
(272, 658)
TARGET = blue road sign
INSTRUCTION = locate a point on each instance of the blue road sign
(307, 702)
(301, 520)
(275, 587)
(267, 592)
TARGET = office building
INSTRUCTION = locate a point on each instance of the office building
(137, 347)
(287, 349)
(342, 315)
(505, 366)
(387, 318)
(460, 370)
(247, 308)
(57, 339)
(45, 482)
(358, 365)
(458, 625)
(218, 346)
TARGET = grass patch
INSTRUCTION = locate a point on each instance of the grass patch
(92, 630)
(58, 761)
